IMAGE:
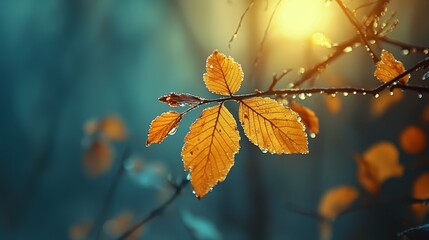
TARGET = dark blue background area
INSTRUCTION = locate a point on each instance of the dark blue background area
(63, 63)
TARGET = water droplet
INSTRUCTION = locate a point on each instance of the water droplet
(413, 50)
(211, 189)
(405, 51)
(425, 76)
(333, 94)
(302, 70)
(172, 131)
(301, 96)
(298, 118)
(309, 94)
(376, 95)
(264, 150)
(348, 49)
(391, 93)
(312, 135)
(193, 192)
(291, 85)
(364, 93)
(293, 96)
(188, 177)
(211, 66)
(372, 41)
(354, 92)
(420, 95)
(426, 51)
(345, 94)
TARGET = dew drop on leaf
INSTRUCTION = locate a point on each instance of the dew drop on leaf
(188, 177)
(312, 135)
(264, 150)
(348, 49)
(172, 131)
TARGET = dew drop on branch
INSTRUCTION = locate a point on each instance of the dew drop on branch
(348, 49)
(302, 96)
(345, 94)
(420, 95)
(405, 51)
(376, 95)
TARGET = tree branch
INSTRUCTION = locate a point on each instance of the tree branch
(157, 211)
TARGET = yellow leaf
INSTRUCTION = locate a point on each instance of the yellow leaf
(413, 140)
(209, 148)
(308, 117)
(113, 128)
(421, 191)
(388, 68)
(98, 158)
(333, 104)
(379, 163)
(163, 125)
(272, 127)
(336, 200)
(224, 75)
(321, 40)
(380, 105)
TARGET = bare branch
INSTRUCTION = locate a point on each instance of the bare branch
(234, 36)
(157, 211)
(261, 45)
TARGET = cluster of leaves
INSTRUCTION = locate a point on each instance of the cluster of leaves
(375, 166)
(98, 156)
(213, 139)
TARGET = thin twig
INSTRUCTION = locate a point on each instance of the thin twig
(157, 211)
(98, 224)
(239, 23)
(261, 45)
(410, 47)
(361, 32)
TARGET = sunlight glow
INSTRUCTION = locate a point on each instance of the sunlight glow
(301, 18)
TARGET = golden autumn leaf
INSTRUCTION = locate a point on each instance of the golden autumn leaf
(413, 140)
(113, 128)
(333, 104)
(421, 191)
(308, 117)
(209, 148)
(223, 75)
(379, 163)
(380, 105)
(180, 100)
(98, 157)
(163, 125)
(336, 200)
(388, 68)
(272, 127)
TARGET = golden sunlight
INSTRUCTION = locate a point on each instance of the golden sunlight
(301, 18)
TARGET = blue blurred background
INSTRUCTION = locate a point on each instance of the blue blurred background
(63, 63)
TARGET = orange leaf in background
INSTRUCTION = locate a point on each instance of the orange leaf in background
(413, 140)
(91, 127)
(379, 163)
(209, 148)
(308, 117)
(380, 105)
(80, 231)
(113, 128)
(336, 200)
(163, 125)
(272, 127)
(98, 158)
(224, 75)
(421, 191)
(388, 68)
(333, 104)
(120, 224)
